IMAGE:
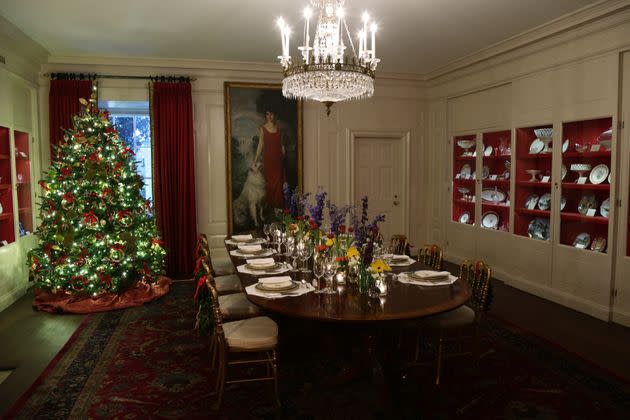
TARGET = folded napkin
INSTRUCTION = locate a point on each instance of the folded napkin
(302, 289)
(250, 248)
(262, 262)
(271, 281)
(242, 237)
(399, 257)
(429, 274)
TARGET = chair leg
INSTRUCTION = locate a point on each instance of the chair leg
(438, 364)
(274, 366)
(220, 382)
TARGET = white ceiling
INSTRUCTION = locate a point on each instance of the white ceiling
(415, 36)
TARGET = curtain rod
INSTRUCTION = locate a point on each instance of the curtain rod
(93, 76)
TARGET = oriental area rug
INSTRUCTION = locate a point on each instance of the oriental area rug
(148, 362)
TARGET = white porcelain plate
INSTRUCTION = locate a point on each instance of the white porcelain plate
(599, 174)
(587, 202)
(604, 209)
(490, 220)
(465, 171)
(539, 229)
(506, 175)
(565, 146)
(464, 218)
(544, 202)
(493, 195)
(583, 240)
(537, 146)
(563, 202)
(531, 201)
(563, 172)
(485, 173)
(488, 151)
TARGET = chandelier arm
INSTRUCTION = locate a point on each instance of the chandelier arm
(354, 52)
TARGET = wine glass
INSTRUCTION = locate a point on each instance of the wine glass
(330, 268)
(267, 230)
(304, 253)
(277, 238)
(292, 252)
(318, 271)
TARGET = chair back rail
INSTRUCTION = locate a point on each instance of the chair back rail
(477, 274)
(432, 256)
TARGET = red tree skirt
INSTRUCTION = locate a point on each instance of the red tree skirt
(135, 296)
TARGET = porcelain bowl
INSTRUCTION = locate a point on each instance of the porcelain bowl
(581, 167)
(544, 132)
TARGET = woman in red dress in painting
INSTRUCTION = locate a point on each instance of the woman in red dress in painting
(272, 150)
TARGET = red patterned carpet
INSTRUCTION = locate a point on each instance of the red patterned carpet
(147, 362)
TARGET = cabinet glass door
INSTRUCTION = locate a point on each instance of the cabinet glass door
(7, 230)
(533, 182)
(464, 174)
(23, 182)
(495, 180)
(585, 203)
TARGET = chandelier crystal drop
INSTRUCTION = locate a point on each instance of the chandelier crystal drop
(329, 70)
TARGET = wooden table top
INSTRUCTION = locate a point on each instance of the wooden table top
(403, 301)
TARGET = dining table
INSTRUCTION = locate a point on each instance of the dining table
(403, 301)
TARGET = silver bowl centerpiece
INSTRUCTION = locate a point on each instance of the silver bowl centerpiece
(466, 144)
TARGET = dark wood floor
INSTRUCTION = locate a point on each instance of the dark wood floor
(31, 339)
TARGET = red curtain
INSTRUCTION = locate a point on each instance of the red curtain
(174, 174)
(63, 103)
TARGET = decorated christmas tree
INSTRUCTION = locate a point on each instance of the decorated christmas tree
(97, 233)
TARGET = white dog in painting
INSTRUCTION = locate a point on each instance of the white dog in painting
(249, 202)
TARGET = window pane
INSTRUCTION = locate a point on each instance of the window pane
(143, 131)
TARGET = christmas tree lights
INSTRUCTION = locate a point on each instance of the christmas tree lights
(97, 233)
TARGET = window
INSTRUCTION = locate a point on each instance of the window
(133, 122)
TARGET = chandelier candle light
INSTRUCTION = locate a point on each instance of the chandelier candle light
(328, 73)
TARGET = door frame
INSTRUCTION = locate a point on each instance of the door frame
(405, 136)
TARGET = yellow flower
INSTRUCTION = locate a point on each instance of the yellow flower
(329, 242)
(379, 266)
(352, 252)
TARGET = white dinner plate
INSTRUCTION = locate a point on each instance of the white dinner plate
(563, 202)
(536, 147)
(464, 218)
(493, 195)
(583, 240)
(544, 202)
(587, 202)
(563, 172)
(465, 171)
(488, 151)
(531, 202)
(609, 178)
(565, 146)
(506, 175)
(599, 174)
(539, 229)
(604, 209)
(490, 220)
(485, 173)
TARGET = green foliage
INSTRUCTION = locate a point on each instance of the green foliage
(97, 233)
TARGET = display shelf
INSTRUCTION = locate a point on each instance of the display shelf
(495, 206)
(463, 163)
(4, 156)
(23, 177)
(585, 134)
(574, 186)
(526, 161)
(577, 217)
(497, 163)
(498, 182)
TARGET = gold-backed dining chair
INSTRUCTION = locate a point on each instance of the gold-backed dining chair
(431, 255)
(225, 285)
(399, 244)
(254, 340)
(462, 324)
(222, 265)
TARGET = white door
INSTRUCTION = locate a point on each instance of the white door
(621, 289)
(379, 173)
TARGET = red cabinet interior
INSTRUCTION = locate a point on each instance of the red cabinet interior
(23, 181)
(7, 231)
(495, 176)
(463, 180)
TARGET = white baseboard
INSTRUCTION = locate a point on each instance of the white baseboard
(574, 302)
(621, 317)
(8, 299)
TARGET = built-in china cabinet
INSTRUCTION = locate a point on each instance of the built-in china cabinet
(19, 171)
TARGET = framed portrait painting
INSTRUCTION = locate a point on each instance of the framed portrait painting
(263, 135)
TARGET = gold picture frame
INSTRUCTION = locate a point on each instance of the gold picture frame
(254, 175)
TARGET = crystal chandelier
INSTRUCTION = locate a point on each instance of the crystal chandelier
(329, 71)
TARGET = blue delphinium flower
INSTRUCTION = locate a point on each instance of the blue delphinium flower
(317, 210)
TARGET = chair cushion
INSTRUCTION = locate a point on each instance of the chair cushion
(258, 333)
(222, 265)
(228, 284)
(236, 306)
(459, 317)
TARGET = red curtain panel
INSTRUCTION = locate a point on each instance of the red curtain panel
(63, 103)
(174, 174)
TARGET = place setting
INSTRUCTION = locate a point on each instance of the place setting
(278, 287)
(398, 260)
(427, 278)
(262, 266)
(250, 251)
(236, 240)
